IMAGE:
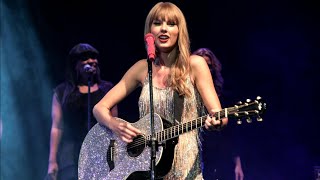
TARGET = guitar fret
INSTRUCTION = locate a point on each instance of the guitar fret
(196, 122)
(186, 130)
(162, 135)
(165, 134)
(182, 128)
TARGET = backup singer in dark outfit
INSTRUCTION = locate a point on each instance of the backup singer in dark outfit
(70, 110)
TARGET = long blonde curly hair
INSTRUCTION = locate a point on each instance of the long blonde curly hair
(181, 67)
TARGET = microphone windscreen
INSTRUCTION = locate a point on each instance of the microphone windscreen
(151, 51)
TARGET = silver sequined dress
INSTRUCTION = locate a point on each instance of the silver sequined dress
(186, 163)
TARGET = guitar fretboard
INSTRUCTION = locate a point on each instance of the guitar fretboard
(247, 109)
(176, 130)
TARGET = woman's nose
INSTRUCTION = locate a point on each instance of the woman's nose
(92, 61)
(164, 27)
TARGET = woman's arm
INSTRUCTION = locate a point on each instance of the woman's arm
(114, 111)
(56, 132)
(238, 168)
(202, 79)
(102, 110)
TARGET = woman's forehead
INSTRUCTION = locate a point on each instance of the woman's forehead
(166, 16)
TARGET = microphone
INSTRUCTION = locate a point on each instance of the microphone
(151, 50)
(87, 68)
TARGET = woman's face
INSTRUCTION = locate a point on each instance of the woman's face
(166, 34)
(90, 61)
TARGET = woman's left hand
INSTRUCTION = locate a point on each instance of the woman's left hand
(212, 123)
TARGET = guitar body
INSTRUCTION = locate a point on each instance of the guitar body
(104, 155)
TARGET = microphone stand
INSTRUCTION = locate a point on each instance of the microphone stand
(89, 102)
(153, 142)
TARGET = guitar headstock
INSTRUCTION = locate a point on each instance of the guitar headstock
(248, 110)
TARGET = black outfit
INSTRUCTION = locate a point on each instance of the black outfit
(220, 149)
(75, 126)
(219, 152)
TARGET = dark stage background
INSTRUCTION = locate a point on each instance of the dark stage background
(268, 48)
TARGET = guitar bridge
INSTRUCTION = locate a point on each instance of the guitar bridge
(110, 155)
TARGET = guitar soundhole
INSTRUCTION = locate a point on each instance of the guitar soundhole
(136, 147)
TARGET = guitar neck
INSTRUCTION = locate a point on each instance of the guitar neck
(176, 130)
(248, 109)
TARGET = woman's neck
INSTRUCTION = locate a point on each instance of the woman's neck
(84, 88)
(167, 59)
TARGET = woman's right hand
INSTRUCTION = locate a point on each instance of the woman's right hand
(53, 170)
(123, 129)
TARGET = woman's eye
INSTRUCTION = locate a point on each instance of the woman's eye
(156, 23)
(171, 23)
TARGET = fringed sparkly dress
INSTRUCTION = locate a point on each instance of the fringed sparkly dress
(186, 161)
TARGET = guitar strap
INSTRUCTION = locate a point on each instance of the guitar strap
(178, 106)
(164, 166)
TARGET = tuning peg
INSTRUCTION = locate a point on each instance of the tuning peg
(247, 102)
(259, 118)
(249, 120)
(258, 97)
(239, 121)
(239, 103)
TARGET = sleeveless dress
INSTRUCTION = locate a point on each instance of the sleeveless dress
(186, 163)
(75, 126)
